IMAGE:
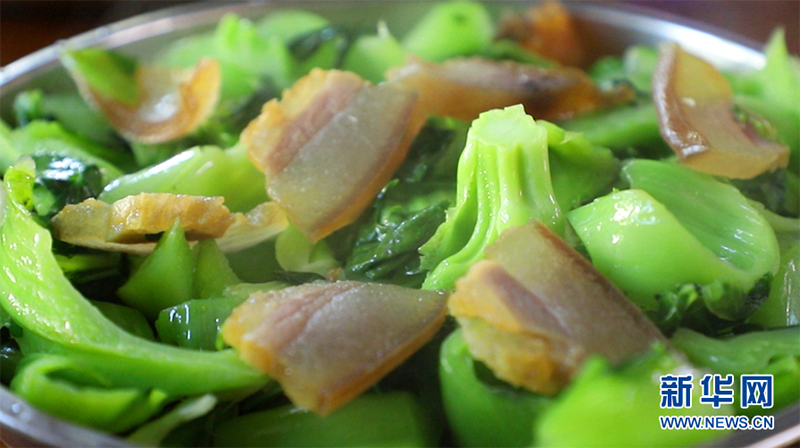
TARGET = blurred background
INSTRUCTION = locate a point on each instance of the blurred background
(26, 26)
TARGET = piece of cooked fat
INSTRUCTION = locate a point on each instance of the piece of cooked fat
(171, 102)
(325, 343)
(329, 146)
(464, 87)
(535, 309)
(132, 223)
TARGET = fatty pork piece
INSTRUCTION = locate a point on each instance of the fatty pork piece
(169, 103)
(325, 343)
(546, 29)
(534, 309)
(463, 88)
(132, 224)
(699, 120)
(329, 146)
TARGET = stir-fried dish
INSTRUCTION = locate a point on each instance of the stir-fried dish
(289, 232)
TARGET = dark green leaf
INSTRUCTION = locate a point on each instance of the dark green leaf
(297, 278)
(61, 181)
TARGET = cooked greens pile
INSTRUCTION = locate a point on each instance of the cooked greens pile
(133, 301)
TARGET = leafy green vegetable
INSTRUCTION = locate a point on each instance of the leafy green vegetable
(773, 352)
(458, 28)
(580, 170)
(503, 180)
(636, 67)
(202, 171)
(774, 190)
(391, 249)
(394, 419)
(774, 93)
(195, 324)
(782, 307)
(290, 24)
(296, 254)
(212, 272)
(44, 381)
(62, 181)
(54, 317)
(109, 73)
(695, 228)
(127, 318)
(371, 56)
(409, 209)
(154, 432)
(484, 413)
(247, 56)
(40, 138)
(84, 267)
(10, 357)
(28, 107)
(707, 308)
(165, 278)
(508, 50)
(625, 129)
(620, 407)
(323, 48)
(69, 110)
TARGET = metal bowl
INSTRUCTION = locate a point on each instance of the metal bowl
(607, 30)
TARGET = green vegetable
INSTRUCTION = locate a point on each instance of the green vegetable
(195, 324)
(695, 228)
(505, 50)
(8, 153)
(296, 254)
(457, 28)
(503, 180)
(10, 357)
(127, 318)
(44, 381)
(202, 171)
(56, 318)
(775, 352)
(322, 49)
(371, 56)
(165, 278)
(409, 209)
(62, 181)
(782, 307)
(256, 264)
(639, 62)
(777, 191)
(777, 85)
(85, 267)
(69, 110)
(623, 128)
(392, 419)
(620, 407)
(154, 432)
(212, 273)
(109, 73)
(713, 309)
(290, 24)
(389, 249)
(580, 170)
(636, 67)
(247, 56)
(40, 138)
(481, 412)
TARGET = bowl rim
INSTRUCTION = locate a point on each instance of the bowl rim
(24, 420)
